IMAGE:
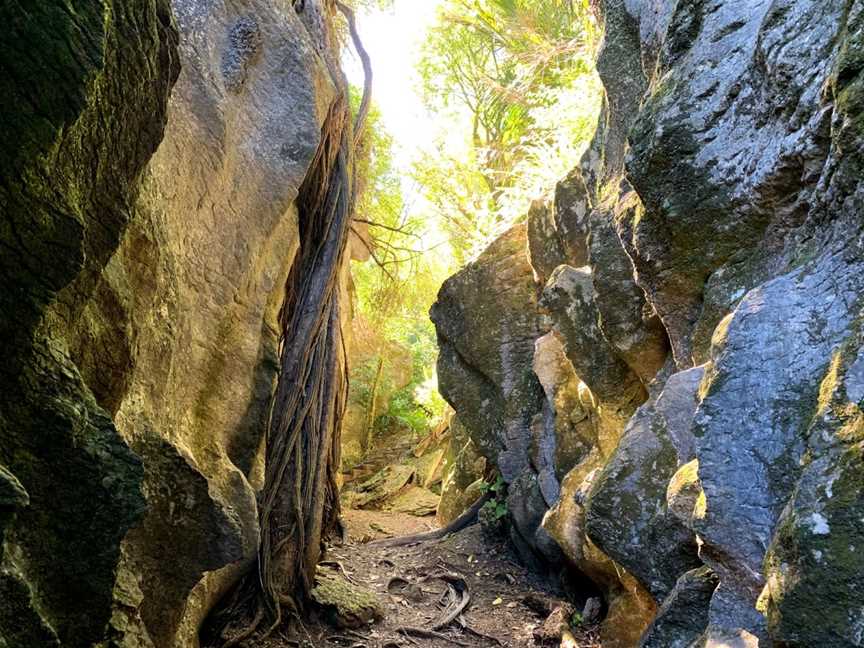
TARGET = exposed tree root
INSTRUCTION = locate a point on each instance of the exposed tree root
(340, 567)
(467, 628)
(427, 634)
(468, 518)
(456, 600)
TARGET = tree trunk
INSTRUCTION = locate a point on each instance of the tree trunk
(299, 503)
(373, 405)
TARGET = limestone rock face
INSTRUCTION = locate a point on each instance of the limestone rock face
(84, 95)
(218, 230)
(722, 185)
(487, 322)
(545, 248)
(580, 393)
(814, 554)
(719, 207)
(684, 614)
(151, 350)
(744, 207)
(627, 515)
(566, 431)
(464, 469)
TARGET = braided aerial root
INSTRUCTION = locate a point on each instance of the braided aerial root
(299, 503)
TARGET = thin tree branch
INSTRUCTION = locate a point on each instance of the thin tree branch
(397, 230)
(363, 112)
(372, 254)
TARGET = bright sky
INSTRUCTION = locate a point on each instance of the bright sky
(393, 38)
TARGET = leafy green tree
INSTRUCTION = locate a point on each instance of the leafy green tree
(502, 66)
(395, 288)
(513, 82)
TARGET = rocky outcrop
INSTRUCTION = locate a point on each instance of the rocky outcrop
(84, 95)
(545, 426)
(566, 431)
(759, 159)
(464, 469)
(486, 342)
(682, 619)
(628, 516)
(545, 248)
(719, 206)
(143, 340)
(486, 338)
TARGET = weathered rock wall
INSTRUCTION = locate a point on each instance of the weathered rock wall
(379, 369)
(487, 322)
(140, 302)
(84, 95)
(719, 207)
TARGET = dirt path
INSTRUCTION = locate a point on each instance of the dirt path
(506, 600)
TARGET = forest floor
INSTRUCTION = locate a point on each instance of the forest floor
(416, 585)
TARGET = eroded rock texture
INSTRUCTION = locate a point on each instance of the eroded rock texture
(703, 271)
(487, 322)
(140, 300)
(84, 94)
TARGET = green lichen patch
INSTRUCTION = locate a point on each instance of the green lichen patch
(348, 605)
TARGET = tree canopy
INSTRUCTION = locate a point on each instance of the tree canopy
(509, 88)
(519, 74)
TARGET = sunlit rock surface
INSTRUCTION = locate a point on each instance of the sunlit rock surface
(464, 470)
(144, 327)
(689, 437)
(747, 240)
(727, 164)
(207, 260)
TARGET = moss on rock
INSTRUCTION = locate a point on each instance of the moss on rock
(349, 605)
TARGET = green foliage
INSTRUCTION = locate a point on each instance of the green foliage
(404, 412)
(396, 287)
(509, 88)
(576, 620)
(517, 75)
(495, 510)
(498, 486)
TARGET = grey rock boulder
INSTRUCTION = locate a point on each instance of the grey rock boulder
(569, 296)
(627, 513)
(487, 322)
(683, 617)
(545, 250)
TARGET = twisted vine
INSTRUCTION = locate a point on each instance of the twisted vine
(299, 502)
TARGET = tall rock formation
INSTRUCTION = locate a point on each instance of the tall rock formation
(84, 95)
(719, 207)
(487, 323)
(140, 301)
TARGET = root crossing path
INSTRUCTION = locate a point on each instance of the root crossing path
(460, 590)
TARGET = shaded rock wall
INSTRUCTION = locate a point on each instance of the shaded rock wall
(140, 302)
(487, 323)
(719, 207)
(84, 94)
